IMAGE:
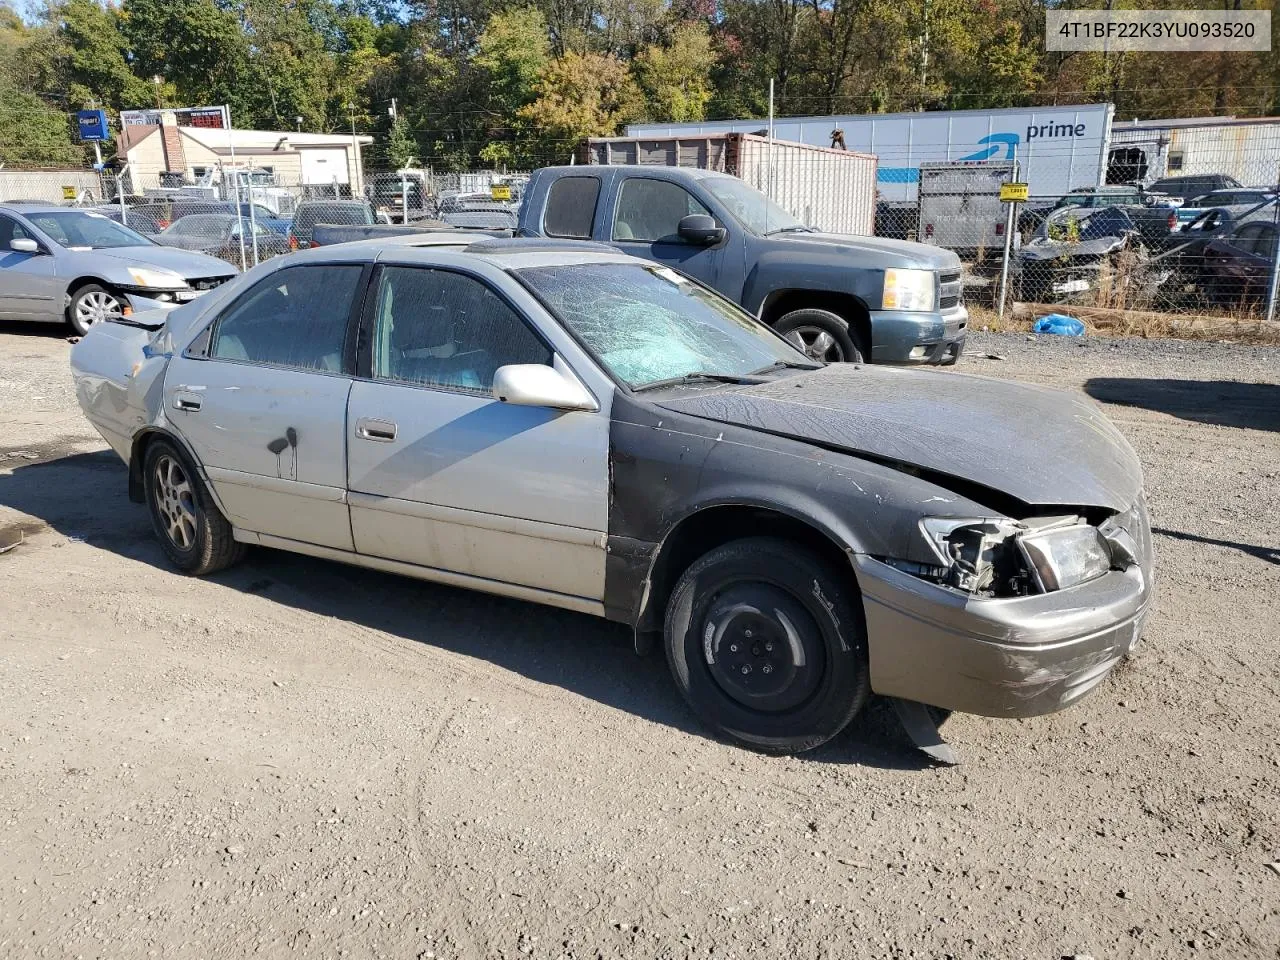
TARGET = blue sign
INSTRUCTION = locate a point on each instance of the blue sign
(93, 125)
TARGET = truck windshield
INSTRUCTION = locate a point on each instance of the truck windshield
(647, 324)
(750, 207)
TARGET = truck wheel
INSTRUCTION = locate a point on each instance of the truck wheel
(821, 335)
(767, 644)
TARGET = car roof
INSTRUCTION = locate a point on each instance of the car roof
(21, 207)
(657, 170)
(440, 238)
(505, 254)
(341, 202)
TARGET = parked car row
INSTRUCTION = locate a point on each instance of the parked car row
(1223, 257)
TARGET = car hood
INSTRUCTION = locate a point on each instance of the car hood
(184, 262)
(876, 251)
(1042, 446)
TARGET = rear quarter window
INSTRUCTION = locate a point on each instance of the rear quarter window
(571, 207)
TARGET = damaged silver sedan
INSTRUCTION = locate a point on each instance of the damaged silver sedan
(562, 424)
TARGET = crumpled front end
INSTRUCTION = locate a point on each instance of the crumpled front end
(962, 639)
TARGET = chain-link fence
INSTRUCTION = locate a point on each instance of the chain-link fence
(1181, 222)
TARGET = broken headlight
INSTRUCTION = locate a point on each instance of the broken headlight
(1064, 556)
(996, 557)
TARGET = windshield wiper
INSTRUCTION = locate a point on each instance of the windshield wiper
(797, 228)
(785, 365)
(699, 375)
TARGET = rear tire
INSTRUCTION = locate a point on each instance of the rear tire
(820, 335)
(767, 644)
(191, 529)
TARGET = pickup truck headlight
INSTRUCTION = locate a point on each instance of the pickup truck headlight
(996, 557)
(908, 290)
(166, 279)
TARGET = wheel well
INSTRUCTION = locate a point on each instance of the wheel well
(847, 306)
(710, 528)
(79, 282)
(137, 456)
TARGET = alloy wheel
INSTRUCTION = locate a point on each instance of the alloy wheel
(175, 502)
(816, 343)
(97, 306)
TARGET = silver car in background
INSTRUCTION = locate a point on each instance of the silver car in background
(561, 423)
(63, 264)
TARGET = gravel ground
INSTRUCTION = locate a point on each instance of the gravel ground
(299, 759)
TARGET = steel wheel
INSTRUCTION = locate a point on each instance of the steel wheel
(762, 647)
(95, 306)
(175, 503)
(817, 344)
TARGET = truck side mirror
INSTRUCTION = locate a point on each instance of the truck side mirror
(700, 229)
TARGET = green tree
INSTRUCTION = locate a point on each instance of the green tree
(197, 46)
(402, 149)
(676, 78)
(96, 71)
(581, 95)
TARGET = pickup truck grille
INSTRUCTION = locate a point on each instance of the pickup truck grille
(949, 289)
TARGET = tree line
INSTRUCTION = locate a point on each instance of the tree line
(519, 82)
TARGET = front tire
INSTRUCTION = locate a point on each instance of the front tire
(820, 335)
(93, 303)
(767, 644)
(191, 529)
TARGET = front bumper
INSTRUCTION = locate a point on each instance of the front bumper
(1014, 657)
(903, 336)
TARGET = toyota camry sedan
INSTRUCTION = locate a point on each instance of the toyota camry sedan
(560, 423)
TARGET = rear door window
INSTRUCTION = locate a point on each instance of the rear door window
(571, 207)
(296, 318)
(652, 210)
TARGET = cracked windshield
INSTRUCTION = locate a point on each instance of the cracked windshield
(649, 325)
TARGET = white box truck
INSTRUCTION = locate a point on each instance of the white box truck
(960, 208)
(1059, 148)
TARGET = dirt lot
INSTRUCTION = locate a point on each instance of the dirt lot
(296, 758)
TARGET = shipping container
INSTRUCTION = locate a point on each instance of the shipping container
(831, 190)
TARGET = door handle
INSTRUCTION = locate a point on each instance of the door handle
(383, 431)
(189, 402)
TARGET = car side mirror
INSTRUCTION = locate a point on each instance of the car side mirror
(700, 229)
(24, 245)
(538, 385)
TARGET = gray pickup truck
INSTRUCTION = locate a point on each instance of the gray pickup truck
(838, 297)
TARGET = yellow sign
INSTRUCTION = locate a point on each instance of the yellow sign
(500, 191)
(1013, 192)
(68, 193)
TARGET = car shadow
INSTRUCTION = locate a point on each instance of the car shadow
(1225, 403)
(83, 497)
(34, 328)
(1267, 554)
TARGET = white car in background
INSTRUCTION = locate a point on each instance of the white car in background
(62, 264)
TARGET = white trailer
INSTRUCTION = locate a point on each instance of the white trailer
(1146, 150)
(832, 190)
(960, 206)
(1059, 149)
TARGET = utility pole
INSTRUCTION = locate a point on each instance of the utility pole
(357, 180)
(1275, 258)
